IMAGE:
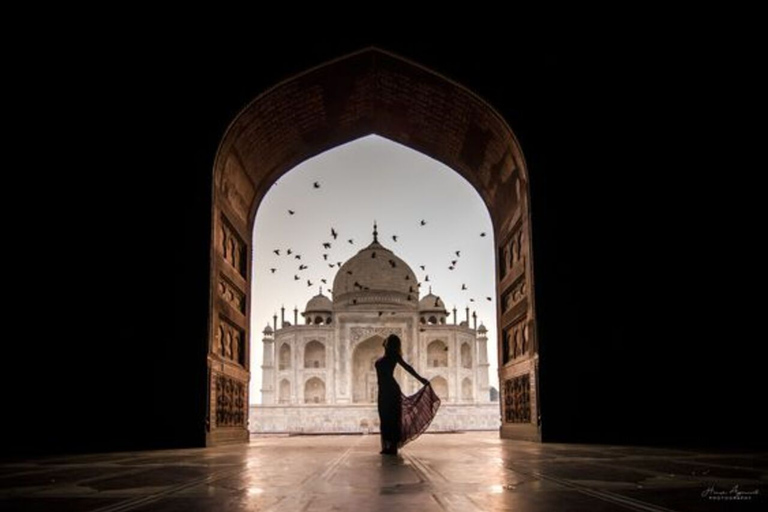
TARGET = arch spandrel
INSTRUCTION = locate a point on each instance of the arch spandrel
(375, 92)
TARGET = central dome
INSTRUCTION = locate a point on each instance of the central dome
(375, 276)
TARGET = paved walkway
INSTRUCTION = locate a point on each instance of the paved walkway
(439, 472)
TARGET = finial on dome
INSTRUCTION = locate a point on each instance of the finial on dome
(430, 289)
(321, 290)
(375, 233)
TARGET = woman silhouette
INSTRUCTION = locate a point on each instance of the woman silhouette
(402, 418)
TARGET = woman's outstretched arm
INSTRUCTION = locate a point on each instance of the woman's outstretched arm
(410, 370)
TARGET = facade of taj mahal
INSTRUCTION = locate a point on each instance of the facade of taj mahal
(320, 376)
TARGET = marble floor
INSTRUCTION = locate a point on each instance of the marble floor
(462, 472)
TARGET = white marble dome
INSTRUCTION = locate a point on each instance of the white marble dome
(375, 275)
(319, 304)
(431, 302)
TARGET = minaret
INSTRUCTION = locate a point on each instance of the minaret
(268, 368)
(483, 389)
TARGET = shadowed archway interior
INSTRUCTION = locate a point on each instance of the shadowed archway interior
(369, 92)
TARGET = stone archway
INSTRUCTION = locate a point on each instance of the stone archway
(369, 92)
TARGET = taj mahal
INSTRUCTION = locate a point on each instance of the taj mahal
(320, 376)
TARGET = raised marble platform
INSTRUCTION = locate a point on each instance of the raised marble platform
(363, 419)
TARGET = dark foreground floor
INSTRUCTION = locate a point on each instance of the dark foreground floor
(455, 472)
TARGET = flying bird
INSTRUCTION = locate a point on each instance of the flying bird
(458, 253)
(482, 234)
(309, 283)
(427, 278)
(350, 241)
(324, 281)
(316, 184)
(334, 234)
(326, 245)
(298, 256)
(488, 298)
(295, 277)
(289, 252)
(330, 291)
(422, 267)
(453, 262)
(325, 257)
(302, 267)
(394, 237)
(471, 300)
(338, 263)
(463, 286)
(331, 265)
(273, 270)
(450, 268)
(423, 222)
(291, 212)
(277, 251)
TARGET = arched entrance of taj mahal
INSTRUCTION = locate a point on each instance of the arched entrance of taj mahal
(369, 92)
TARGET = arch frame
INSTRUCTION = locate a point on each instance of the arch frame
(368, 92)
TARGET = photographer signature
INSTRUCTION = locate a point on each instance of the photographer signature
(734, 493)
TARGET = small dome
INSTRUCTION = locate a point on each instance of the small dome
(482, 329)
(268, 330)
(319, 304)
(431, 302)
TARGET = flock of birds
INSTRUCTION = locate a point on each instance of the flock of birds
(328, 246)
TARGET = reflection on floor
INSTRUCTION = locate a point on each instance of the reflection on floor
(456, 472)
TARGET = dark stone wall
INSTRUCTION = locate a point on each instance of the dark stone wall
(641, 235)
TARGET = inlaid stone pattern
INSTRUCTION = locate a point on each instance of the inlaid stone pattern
(229, 342)
(358, 333)
(231, 295)
(230, 402)
(517, 399)
(232, 247)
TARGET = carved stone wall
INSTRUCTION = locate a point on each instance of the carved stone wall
(517, 399)
(516, 340)
(231, 294)
(236, 188)
(229, 342)
(232, 247)
(514, 295)
(512, 252)
(230, 402)
(358, 333)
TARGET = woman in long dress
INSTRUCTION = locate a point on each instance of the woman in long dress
(402, 418)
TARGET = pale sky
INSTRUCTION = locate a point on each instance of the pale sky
(369, 179)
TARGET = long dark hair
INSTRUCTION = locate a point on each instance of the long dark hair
(393, 346)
